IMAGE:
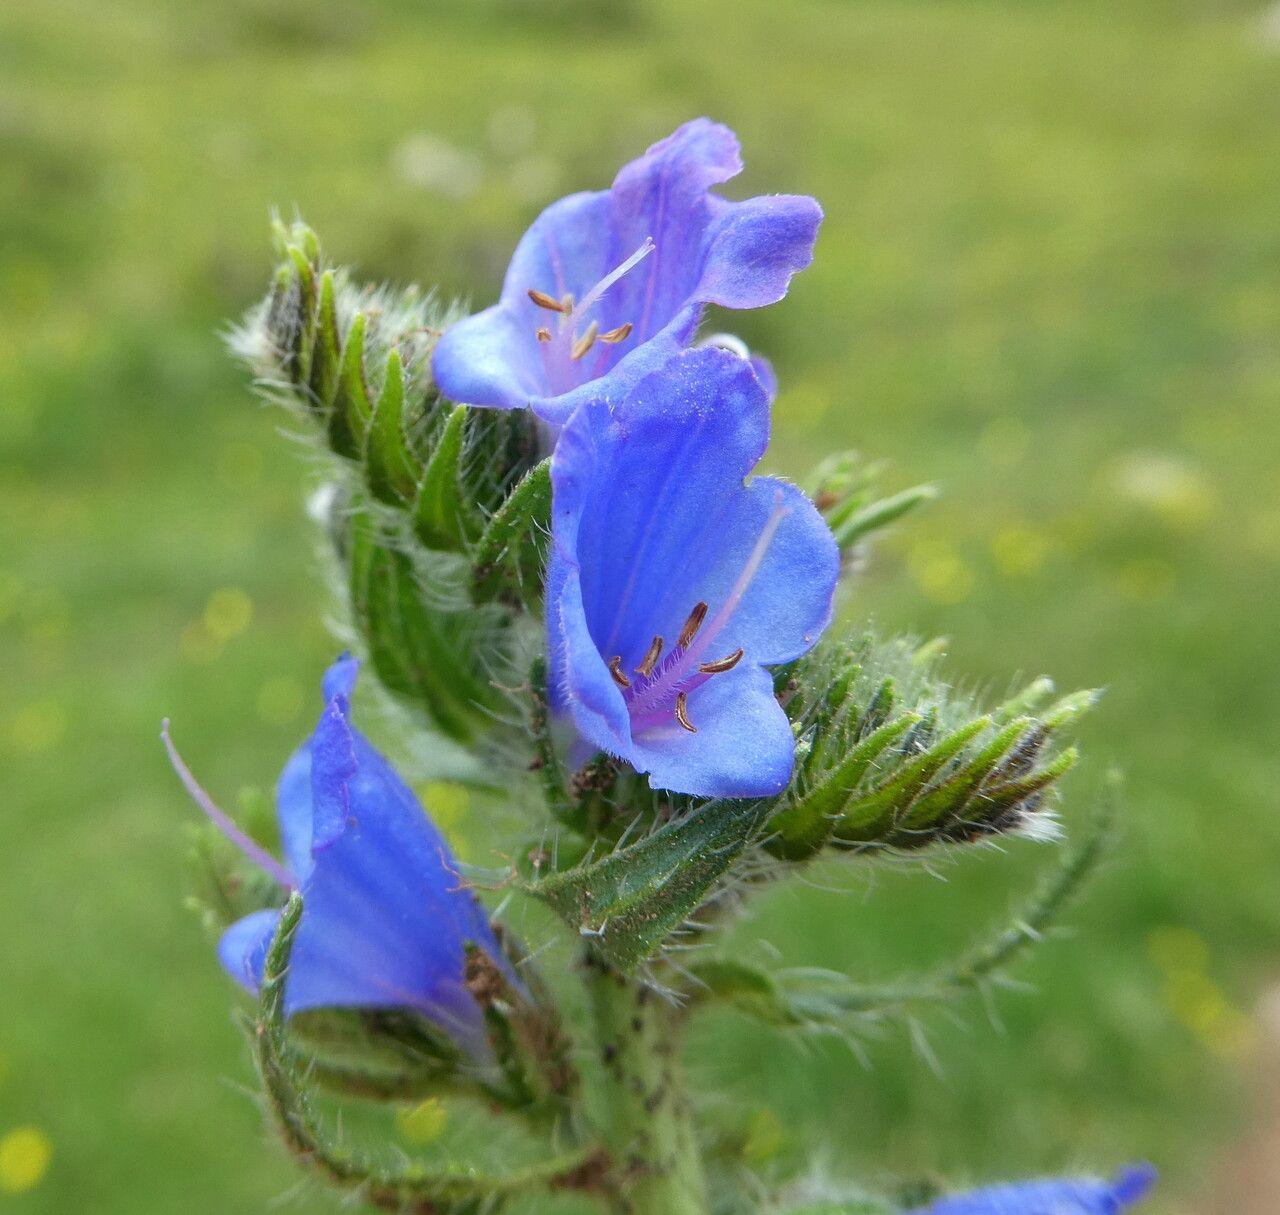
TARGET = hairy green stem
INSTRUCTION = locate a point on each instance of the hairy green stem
(646, 1122)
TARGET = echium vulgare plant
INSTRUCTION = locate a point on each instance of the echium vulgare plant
(554, 551)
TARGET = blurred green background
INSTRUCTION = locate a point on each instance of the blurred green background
(1048, 281)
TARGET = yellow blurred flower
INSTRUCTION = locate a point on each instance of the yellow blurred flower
(25, 1153)
(1175, 948)
(765, 1137)
(36, 727)
(197, 644)
(1168, 486)
(1019, 551)
(449, 806)
(424, 1123)
(940, 572)
(228, 613)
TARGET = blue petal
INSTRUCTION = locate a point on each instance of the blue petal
(385, 915)
(242, 949)
(294, 813)
(1065, 1197)
(765, 374)
(708, 250)
(743, 748)
(494, 358)
(753, 248)
(650, 517)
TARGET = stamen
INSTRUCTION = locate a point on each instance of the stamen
(651, 658)
(724, 664)
(615, 669)
(544, 334)
(585, 342)
(549, 302)
(613, 276)
(692, 625)
(222, 820)
(682, 712)
(566, 302)
(620, 334)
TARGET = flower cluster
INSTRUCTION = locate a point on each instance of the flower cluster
(577, 450)
(675, 579)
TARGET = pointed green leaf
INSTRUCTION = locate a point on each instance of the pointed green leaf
(440, 516)
(307, 299)
(509, 557)
(958, 788)
(325, 363)
(391, 471)
(999, 797)
(877, 515)
(427, 653)
(352, 409)
(803, 827)
(866, 819)
(628, 903)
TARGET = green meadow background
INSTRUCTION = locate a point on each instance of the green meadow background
(1049, 281)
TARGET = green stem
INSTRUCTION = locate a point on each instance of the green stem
(645, 1115)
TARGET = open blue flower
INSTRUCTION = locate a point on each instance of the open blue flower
(1073, 1197)
(673, 583)
(605, 285)
(385, 916)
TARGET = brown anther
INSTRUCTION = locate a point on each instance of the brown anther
(692, 625)
(585, 342)
(544, 334)
(724, 664)
(549, 302)
(620, 334)
(651, 658)
(615, 669)
(682, 712)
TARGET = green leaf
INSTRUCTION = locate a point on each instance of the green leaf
(509, 557)
(868, 817)
(804, 826)
(439, 516)
(427, 652)
(390, 467)
(751, 990)
(305, 276)
(352, 408)
(880, 514)
(628, 903)
(325, 361)
(959, 787)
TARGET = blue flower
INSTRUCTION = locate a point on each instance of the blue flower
(605, 285)
(385, 917)
(673, 583)
(1075, 1197)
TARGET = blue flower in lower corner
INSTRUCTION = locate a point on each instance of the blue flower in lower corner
(605, 285)
(674, 582)
(1062, 1197)
(385, 916)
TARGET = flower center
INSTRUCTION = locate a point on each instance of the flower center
(568, 339)
(658, 688)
